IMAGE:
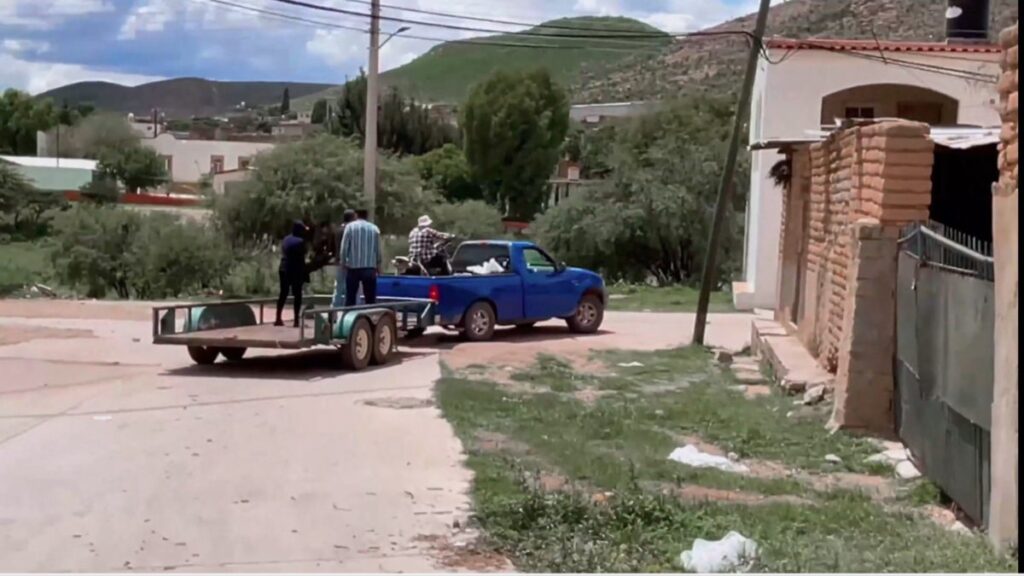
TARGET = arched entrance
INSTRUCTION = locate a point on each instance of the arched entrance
(890, 101)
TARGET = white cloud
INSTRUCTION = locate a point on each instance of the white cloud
(339, 48)
(39, 15)
(77, 7)
(26, 46)
(36, 77)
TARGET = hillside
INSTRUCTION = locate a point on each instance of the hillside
(716, 63)
(447, 71)
(179, 97)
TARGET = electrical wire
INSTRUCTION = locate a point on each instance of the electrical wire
(470, 41)
(461, 28)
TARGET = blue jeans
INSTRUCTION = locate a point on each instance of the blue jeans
(339, 289)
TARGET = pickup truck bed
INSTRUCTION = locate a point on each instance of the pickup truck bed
(534, 288)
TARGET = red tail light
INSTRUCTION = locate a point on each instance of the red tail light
(434, 293)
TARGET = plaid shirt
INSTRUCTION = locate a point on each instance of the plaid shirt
(423, 243)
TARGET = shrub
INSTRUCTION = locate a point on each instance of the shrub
(105, 249)
(471, 220)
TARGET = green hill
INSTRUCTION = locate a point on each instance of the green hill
(448, 71)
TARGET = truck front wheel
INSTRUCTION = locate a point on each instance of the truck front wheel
(478, 324)
(588, 315)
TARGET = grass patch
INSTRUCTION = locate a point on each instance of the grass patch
(24, 263)
(643, 298)
(619, 443)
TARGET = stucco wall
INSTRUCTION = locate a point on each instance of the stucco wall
(191, 158)
(1003, 520)
(787, 102)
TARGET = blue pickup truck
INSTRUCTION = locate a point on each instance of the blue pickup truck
(531, 288)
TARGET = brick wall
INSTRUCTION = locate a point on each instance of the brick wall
(1003, 519)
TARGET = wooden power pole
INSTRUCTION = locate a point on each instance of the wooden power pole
(372, 99)
(725, 187)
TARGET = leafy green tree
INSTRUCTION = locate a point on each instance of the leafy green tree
(102, 190)
(13, 188)
(319, 114)
(514, 125)
(403, 125)
(651, 217)
(25, 209)
(318, 179)
(21, 116)
(446, 171)
(469, 220)
(92, 135)
(286, 103)
(137, 167)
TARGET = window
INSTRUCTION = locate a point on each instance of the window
(475, 254)
(216, 164)
(537, 261)
(244, 162)
(860, 112)
(168, 164)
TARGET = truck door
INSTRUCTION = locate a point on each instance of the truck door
(548, 291)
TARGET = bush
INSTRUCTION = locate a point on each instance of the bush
(105, 249)
(471, 220)
(446, 171)
(317, 179)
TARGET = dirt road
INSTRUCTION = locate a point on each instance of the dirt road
(117, 454)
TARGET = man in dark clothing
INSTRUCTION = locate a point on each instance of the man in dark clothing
(292, 271)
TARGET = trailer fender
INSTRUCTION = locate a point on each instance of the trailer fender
(343, 327)
(227, 316)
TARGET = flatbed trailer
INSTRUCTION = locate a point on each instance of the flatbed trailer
(364, 334)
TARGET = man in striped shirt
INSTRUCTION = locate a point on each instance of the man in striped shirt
(361, 259)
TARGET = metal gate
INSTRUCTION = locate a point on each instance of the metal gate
(944, 360)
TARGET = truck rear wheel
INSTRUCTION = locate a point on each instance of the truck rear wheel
(384, 335)
(588, 315)
(478, 324)
(203, 355)
(232, 354)
(357, 351)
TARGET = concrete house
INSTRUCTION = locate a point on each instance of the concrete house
(188, 161)
(804, 85)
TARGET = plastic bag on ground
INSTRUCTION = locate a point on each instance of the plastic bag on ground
(692, 456)
(734, 553)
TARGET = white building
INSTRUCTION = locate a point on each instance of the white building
(188, 161)
(803, 85)
(598, 113)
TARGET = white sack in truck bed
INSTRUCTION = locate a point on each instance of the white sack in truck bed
(489, 267)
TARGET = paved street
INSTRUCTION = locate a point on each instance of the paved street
(117, 454)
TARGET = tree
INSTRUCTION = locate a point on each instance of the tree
(318, 179)
(319, 114)
(21, 117)
(470, 220)
(137, 167)
(446, 171)
(23, 204)
(91, 135)
(286, 103)
(514, 125)
(651, 217)
(403, 125)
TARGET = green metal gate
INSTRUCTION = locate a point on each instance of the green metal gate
(944, 360)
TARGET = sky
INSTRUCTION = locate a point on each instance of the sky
(49, 43)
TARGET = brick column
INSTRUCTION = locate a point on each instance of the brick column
(1003, 518)
(893, 188)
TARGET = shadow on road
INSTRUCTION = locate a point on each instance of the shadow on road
(511, 335)
(307, 365)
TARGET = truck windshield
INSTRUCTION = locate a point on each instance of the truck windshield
(477, 254)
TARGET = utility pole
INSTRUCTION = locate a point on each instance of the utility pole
(372, 100)
(725, 187)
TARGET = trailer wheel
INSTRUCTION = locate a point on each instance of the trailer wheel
(478, 324)
(588, 315)
(383, 340)
(233, 354)
(356, 352)
(203, 355)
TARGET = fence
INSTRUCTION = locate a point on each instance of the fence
(944, 360)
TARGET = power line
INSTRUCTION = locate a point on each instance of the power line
(461, 28)
(482, 42)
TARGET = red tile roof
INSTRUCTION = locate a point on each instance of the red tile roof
(873, 46)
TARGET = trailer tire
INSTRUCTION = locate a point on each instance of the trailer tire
(587, 317)
(233, 354)
(478, 323)
(357, 351)
(203, 355)
(384, 336)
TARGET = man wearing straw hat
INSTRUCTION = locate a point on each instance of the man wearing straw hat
(423, 244)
